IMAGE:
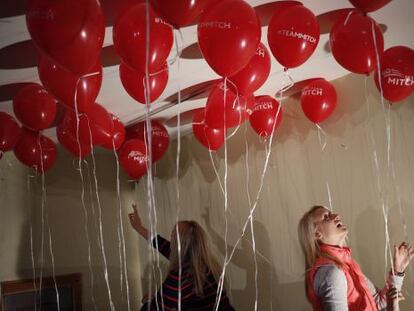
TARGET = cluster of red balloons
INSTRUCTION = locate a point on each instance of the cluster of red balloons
(35, 108)
(229, 39)
(69, 35)
(318, 100)
(225, 108)
(75, 92)
(231, 101)
(134, 155)
(210, 138)
(78, 133)
(68, 32)
(143, 71)
(359, 31)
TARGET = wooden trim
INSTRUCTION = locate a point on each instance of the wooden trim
(74, 281)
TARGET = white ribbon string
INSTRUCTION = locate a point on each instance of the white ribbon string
(121, 234)
(388, 135)
(152, 214)
(44, 209)
(98, 201)
(29, 205)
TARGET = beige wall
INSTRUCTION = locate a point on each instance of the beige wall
(296, 178)
(21, 209)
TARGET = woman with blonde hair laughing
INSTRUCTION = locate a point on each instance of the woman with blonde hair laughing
(334, 281)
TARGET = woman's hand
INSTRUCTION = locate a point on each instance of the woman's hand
(136, 223)
(402, 257)
(393, 297)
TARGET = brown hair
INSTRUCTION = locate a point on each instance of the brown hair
(195, 251)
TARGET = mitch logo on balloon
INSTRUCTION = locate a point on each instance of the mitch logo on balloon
(313, 91)
(295, 34)
(215, 24)
(395, 77)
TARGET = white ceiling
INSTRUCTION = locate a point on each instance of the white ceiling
(18, 61)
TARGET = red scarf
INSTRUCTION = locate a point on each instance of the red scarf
(358, 294)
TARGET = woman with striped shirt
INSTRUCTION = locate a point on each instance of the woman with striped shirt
(199, 270)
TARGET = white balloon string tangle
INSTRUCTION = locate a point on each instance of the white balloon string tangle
(29, 205)
(152, 214)
(215, 170)
(388, 135)
(85, 212)
(178, 49)
(44, 208)
(322, 137)
(380, 190)
(92, 199)
(221, 280)
(236, 100)
(268, 153)
(121, 238)
(256, 288)
(106, 275)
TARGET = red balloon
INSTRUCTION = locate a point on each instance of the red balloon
(397, 73)
(369, 5)
(133, 158)
(179, 12)
(134, 82)
(210, 138)
(36, 151)
(70, 32)
(228, 36)
(252, 77)
(101, 125)
(77, 129)
(352, 42)
(225, 108)
(293, 35)
(118, 137)
(34, 107)
(160, 139)
(266, 116)
(96, 123)
(129, 36)
(68, 139)
(318, 100)
(9, 132)
(63, 84)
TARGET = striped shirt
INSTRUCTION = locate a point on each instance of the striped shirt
(189, 300)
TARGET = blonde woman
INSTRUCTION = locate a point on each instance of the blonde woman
(199, 269)
(334, 281)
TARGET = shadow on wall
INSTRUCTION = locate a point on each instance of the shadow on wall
(272, 295)
(294, 126)
(166, 168)
(372, 250)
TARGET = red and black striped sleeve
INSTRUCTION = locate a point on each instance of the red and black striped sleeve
(163, 246)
